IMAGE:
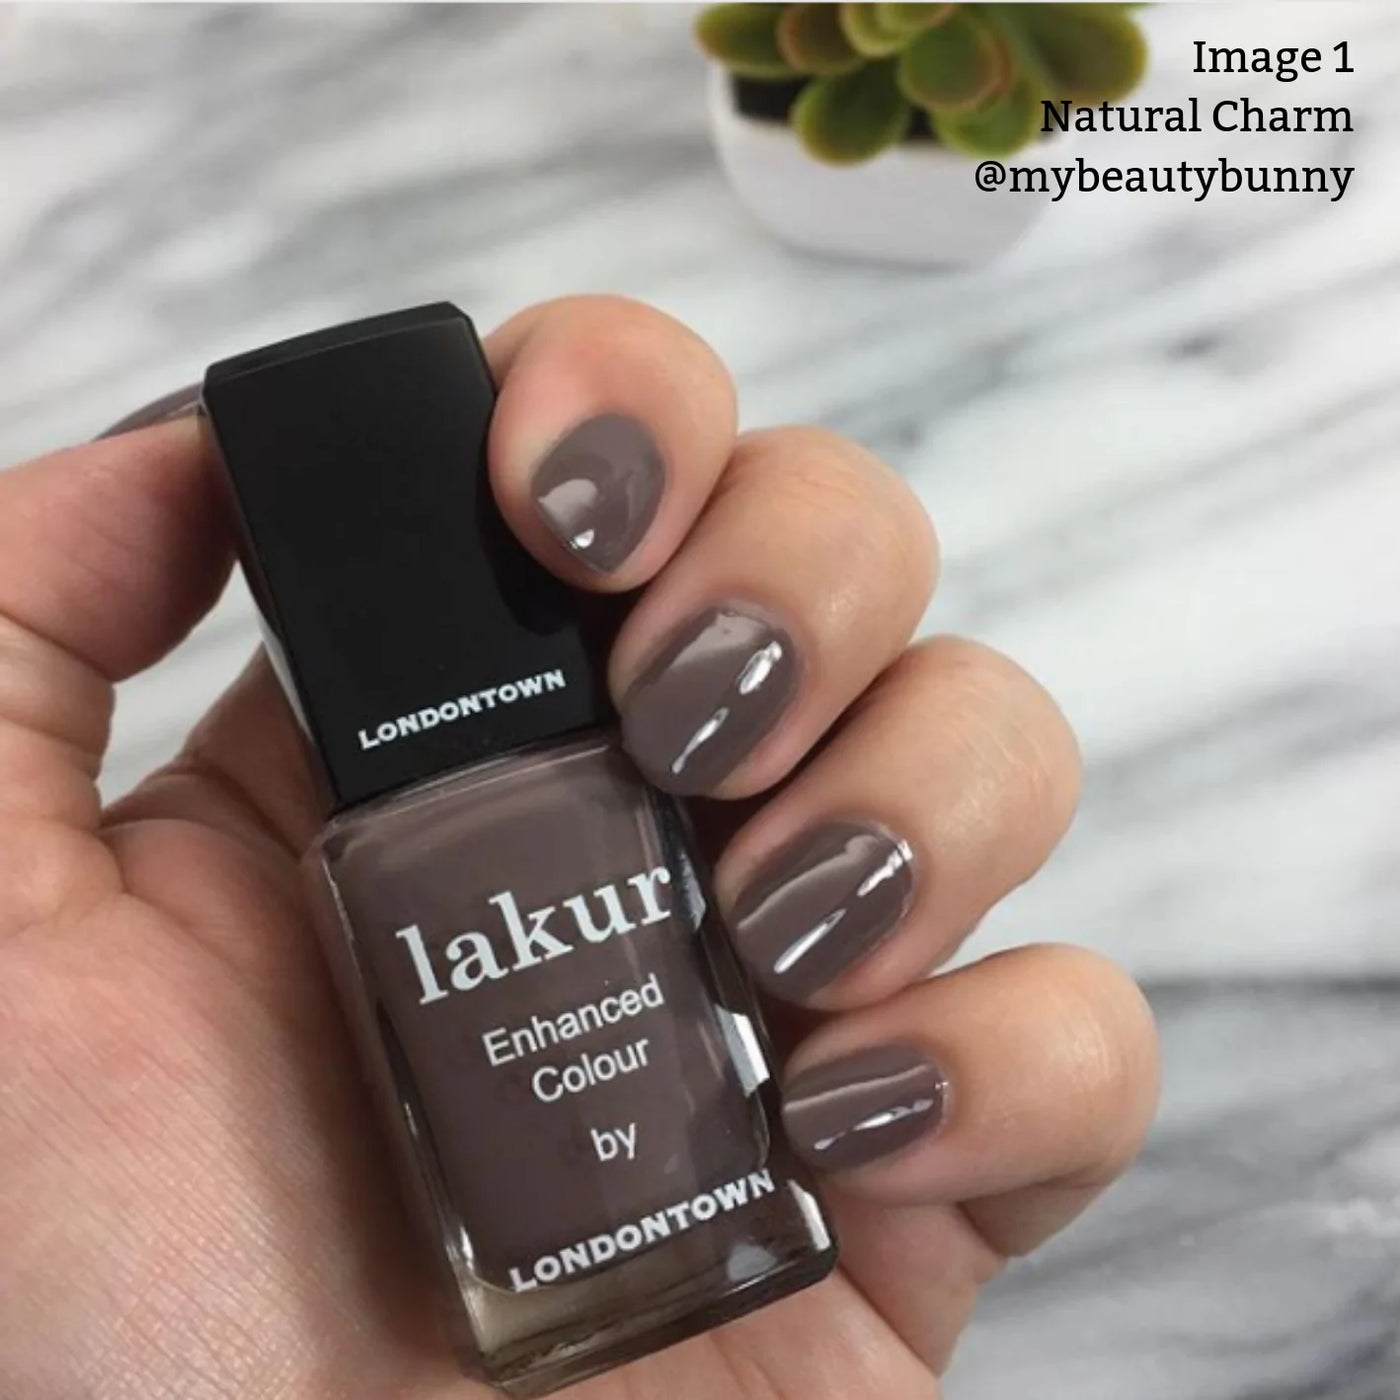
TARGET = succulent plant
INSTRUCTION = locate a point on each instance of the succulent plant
(861, 77)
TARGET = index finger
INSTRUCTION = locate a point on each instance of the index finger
(612, 425)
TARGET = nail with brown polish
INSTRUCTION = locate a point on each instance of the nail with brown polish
(865, 1105)
(718, 686)
(179, 403)
(598, 489)
(825, 900)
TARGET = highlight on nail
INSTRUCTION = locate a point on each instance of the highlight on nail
(599, 487)
(824, 900)
(883, 1119)
(715, 689)
(759, 667)
(863, 1105)
(795, 952)
(755, 672)
(702, 736)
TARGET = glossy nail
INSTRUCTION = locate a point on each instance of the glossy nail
(718, 686)
(179, 403)
(599, 487)
(822, 902)
(862, 1106)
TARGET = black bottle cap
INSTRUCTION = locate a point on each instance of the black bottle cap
(412, 632)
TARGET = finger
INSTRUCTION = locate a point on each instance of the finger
(802, 580)
(947, 786)
(244, 768)
(1032, 1071)
(109, 553)
(213, 838)
(612, 424)
(112, 551)
(1004, 1096)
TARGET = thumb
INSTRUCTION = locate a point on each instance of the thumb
(109, 554)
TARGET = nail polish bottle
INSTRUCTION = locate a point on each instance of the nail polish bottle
(569, 1064)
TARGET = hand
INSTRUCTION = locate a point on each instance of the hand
(193, 1201)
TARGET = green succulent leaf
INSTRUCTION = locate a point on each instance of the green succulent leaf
(956, 67)
(852, 116)
(912, 19)
(867, 31)
(998, 129)
(811, 39)
(1087, 53)
(744, 38)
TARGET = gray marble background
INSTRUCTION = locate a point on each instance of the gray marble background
(1160, 442)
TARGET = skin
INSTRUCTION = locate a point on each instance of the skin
(190, 1201)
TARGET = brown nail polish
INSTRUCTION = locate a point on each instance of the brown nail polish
(568, 1061)
(717, 687)
(179, 403)
(821, 903)
(598, 489)
(865, 1105)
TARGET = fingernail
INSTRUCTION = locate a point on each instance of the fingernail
(598, 489)
(822, 902)
(717, 687)
(852, 1110)
(180, 403)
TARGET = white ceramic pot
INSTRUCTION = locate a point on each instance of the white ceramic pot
(917, 203)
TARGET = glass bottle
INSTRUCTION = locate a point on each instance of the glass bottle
(568, 1062)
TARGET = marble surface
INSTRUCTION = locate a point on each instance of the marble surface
(1159, 440)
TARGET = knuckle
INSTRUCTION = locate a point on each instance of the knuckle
(46, 691)
(1010, 725)
(49, 870)
(846, 505)
(1107, 1052)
